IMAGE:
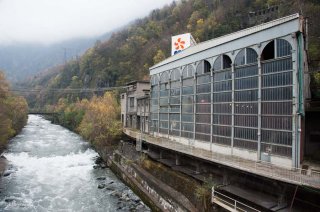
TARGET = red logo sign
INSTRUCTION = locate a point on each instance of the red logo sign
(179, 45)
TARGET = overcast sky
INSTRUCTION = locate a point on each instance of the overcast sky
(50, 21)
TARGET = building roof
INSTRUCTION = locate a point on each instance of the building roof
(143, 97)
(225, 39)
(138, 81)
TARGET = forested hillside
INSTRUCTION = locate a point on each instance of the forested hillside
(13, 113)
(128, 54)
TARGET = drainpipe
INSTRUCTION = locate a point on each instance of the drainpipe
(259, 107)
(300, 98)
(232, 107)
(211, 114)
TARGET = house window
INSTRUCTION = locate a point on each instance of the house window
(131, 101)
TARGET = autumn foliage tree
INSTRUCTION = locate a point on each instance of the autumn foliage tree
(100, 124)
(97, 120)
(13, 113)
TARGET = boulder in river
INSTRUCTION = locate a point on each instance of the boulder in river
(101, 178)
(101, 186)
(9, 200)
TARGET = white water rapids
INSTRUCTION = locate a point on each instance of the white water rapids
(51, 169)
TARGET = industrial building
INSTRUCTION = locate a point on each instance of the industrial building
(238, 108)
(242, 94)
(134, 107)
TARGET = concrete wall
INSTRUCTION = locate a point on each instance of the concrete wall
(155, 193)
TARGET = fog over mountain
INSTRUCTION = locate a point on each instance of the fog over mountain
(37, 34)
(23, 60)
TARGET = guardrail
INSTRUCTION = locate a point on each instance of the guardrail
(229, 203)
(292, 175)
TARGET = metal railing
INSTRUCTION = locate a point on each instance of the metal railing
(230, 203)
(280, 172)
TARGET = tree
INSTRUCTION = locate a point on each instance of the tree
(13, 113)
(159, 57)
(100, 124)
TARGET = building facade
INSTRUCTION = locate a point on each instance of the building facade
(143, 111)
(132, 115)
(242, 94)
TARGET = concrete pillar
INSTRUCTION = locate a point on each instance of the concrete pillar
(225, 177)
(197, 168)
(161, 154)
(178, 160)
(138, 145)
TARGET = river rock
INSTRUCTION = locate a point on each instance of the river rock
(116, 194)
(99, 160)
(101, 178)
(101, 186)
(139, 207)
(110, 188)
(7, 173)
(9, 200)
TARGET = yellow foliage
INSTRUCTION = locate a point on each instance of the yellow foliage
(159, 57)
(100, 124)
(200, 21)
(13, 112)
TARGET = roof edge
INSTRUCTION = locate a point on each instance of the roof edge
(247, 32)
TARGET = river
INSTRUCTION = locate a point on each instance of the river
(52, 169)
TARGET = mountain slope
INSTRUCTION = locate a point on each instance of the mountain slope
(128, 54)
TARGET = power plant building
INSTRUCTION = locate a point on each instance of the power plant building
(242, 94)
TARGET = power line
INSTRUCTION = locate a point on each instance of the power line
(66, 90)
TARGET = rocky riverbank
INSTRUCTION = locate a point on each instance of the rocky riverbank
(126, 199)
(127, 163)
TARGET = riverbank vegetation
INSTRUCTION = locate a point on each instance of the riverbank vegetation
(13, 113)
(96, 120)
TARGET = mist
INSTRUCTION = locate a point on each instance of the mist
(52, 21)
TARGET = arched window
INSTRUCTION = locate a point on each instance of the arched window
(246, 100)
(164, 103)
(154, 104)
(276, 49)
(240, 58)
(175, 85)
(187, 104)
(175, 75)
(252, 56)
(276, 98)
(222, 62)
(222, 101)
(164, 77)
(203, 102)
(154, 80)
(246, 56)
(203, 67)
(283, 48)
(268, 51)
(174, 112)
(188, 71)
